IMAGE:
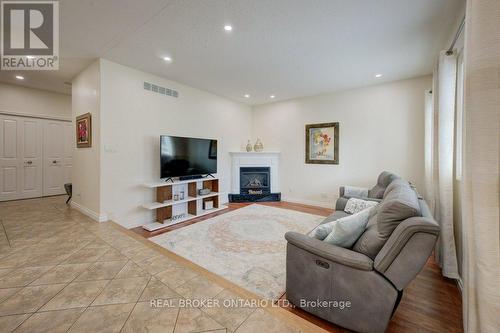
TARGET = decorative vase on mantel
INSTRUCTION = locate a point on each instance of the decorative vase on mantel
(249, 146)
(258, 147)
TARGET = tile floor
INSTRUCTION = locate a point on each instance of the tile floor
(62, 272)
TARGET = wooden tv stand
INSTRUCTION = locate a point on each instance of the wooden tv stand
(168, 210)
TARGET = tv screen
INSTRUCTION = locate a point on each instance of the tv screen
(187, 156)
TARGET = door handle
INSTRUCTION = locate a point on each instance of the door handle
(29, 162)
(54, 162)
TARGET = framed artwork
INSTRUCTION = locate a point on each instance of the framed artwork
(322, 143)
(84, 131)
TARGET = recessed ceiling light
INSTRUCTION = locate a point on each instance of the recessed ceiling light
(30, 57)
(378, 75)
(19, 77)
(167, 59)
(228, 27)
(272, 96)
(247, 96)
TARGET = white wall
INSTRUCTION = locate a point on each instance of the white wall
(34, 102)
(132, 119)
(381, 128)
(86, 161)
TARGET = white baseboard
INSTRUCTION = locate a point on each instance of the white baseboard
(90, 213)
(309, 202)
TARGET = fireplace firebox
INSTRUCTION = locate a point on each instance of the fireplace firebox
(255, 180)
(255, 186)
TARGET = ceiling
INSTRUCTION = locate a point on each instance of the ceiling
(286, 48)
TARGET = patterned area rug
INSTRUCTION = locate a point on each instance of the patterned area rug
(245, 246)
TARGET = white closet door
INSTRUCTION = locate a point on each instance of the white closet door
(53, 155)
(31, 133)
(20, 157)
(9, 158)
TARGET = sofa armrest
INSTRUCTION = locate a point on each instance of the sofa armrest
(330, 252)
(353, 191)
(400, 237)
(406, 251)
(340, 204)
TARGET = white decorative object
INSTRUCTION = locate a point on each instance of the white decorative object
(258, 147)
(254, 159)
(249, 146)
(209, 205)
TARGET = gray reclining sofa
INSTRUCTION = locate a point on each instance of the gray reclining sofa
(397, 241)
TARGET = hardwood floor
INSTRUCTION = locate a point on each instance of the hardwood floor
(431, 303)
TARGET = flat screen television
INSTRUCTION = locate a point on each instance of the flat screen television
(187, 157)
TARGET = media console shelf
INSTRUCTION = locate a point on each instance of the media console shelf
(170, 211)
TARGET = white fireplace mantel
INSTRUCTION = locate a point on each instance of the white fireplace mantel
(254, 159)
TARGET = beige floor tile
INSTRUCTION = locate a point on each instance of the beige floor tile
(122, 291)
(262, 321)
(231, 311)
(29, 299)
(22, 276)
(76, 295)
(176, 275)
(4, 271)
(131, 270)
(199, 288)
(46, 259)
(157, 290)
(194, 320)
(145, 318)
(156, 264)
(112, 255)
(6, 293)
(86, 255)
(50, 322)
(101, 271)
(9, 323)
(97, 243)
(140, 253)
(103, 319)
(61, 274)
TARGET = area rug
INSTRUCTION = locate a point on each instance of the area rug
(245, 246)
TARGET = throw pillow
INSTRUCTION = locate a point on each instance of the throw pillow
(323, 230)
(355, 205)
(347, 230)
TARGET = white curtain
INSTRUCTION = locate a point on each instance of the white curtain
(440, 124)
(481, 158)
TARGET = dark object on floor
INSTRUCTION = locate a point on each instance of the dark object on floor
(69, 191)
(254, 197)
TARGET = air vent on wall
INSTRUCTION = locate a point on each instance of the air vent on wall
(160, 90)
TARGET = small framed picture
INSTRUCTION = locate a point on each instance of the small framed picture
(84, 131)
(322, 143)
